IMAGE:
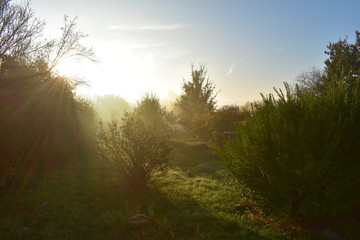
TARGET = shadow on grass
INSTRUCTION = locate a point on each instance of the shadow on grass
(53, 204)
(176, 215)
(81, 202)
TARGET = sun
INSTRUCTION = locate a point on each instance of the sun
(124, 74)
(71, 68)
(115, 76)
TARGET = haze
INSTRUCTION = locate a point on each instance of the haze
(248, 47)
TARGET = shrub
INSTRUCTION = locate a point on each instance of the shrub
(136, 148)
(223, 121)
(299, 153)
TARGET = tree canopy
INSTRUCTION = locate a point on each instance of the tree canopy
(343, 63)
(197, 100)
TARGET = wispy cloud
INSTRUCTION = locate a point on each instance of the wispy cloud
(246, 56)
(243, 59)
(230, 71)
(155, 27)
(280, 49)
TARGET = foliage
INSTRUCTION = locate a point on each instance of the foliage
(223, 122)
(196, 102)
(20, 35)
(179, 206)
(343, 63)
(139, 146)
(299, 153)
(149, 110)
(314, 80)
(41, 120)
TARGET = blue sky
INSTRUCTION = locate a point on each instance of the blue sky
(248, 46)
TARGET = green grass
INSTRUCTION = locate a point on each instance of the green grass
(191, 201)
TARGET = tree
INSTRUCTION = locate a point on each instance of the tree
(20, 35)
(196, 102)
(149, 110)
(41, 115)
(68, 45)
(41, 121)
(343, 63)
(19, 30)
(314, 80)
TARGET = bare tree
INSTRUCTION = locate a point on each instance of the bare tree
(68, 45)
(312, 80)
(19, 29)
(20, 34)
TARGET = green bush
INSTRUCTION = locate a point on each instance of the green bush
(223, 121)
(299, 152)
(136, 148)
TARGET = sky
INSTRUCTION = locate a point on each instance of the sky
(248, 47)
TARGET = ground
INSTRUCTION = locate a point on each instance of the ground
(194, 199)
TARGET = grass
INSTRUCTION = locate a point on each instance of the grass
(191, 201)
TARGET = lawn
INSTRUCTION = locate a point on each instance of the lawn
(193, 200)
